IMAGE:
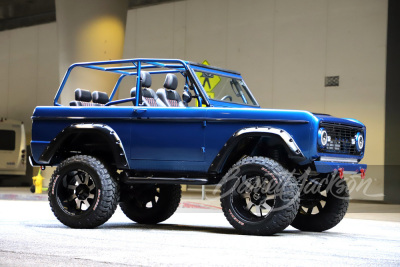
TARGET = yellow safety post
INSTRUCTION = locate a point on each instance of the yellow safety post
(38, 182)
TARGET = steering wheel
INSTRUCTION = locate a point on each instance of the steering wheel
(226, 97)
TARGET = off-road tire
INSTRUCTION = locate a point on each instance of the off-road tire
(96, 187)
(164, 199)
(336, 198)
(282, 197)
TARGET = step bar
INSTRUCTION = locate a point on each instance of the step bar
(164, 180)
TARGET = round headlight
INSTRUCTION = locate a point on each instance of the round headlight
(359, 141)
(322, 137)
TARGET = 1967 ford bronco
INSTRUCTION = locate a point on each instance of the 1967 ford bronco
(274, 168)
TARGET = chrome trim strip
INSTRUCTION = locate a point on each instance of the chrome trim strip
(336, 159)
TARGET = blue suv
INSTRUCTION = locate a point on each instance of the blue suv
(274, 168)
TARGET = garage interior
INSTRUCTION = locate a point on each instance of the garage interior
(285, 50)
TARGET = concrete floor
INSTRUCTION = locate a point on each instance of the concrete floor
(31, 235)
(196, 235)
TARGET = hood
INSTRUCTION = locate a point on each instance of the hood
(344, 121)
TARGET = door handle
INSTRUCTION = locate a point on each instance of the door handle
(139, 111)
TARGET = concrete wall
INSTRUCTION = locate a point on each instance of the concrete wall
(28, 71)
(28, 74)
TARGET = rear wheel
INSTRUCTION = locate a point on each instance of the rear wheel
(259, 196)
(151, 204)
(82, 194)
(322, 207)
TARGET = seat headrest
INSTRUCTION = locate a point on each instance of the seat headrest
(100, 97)
(83, 95)
(146, 79)
(171, 81)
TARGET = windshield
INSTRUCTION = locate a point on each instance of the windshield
(225, 88)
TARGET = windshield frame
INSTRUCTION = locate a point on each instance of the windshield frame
(225, 73)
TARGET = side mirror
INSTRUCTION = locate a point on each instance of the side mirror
(186, 96)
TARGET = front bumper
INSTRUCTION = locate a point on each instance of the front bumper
(332, 166)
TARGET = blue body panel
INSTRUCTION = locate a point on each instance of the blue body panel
(178, 139)
(169, 139)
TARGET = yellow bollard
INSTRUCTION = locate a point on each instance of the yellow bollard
(38, 182)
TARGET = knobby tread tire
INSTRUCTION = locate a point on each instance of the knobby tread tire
(170, 197)
(280, 217)
(334, 211)
(107, 201)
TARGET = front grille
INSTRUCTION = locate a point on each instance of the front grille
(341, 139)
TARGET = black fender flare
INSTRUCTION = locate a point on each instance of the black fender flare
(111, 137)
(264, 131)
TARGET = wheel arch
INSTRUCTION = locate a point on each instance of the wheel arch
(89, 138)
(256, 141)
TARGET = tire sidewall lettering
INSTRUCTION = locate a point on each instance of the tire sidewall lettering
(236, 219)
(54, 184)
(266, 171)
(98, 199)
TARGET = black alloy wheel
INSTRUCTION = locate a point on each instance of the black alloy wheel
(82, 194)
(259, 196)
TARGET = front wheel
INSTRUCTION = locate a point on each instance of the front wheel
(322, 207)
(82, 194)
(259, 196)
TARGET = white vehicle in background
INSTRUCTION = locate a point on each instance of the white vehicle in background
(12, 147)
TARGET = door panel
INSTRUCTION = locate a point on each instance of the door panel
(168, 135)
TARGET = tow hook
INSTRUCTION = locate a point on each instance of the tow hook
(341, 173)
(362, 171)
